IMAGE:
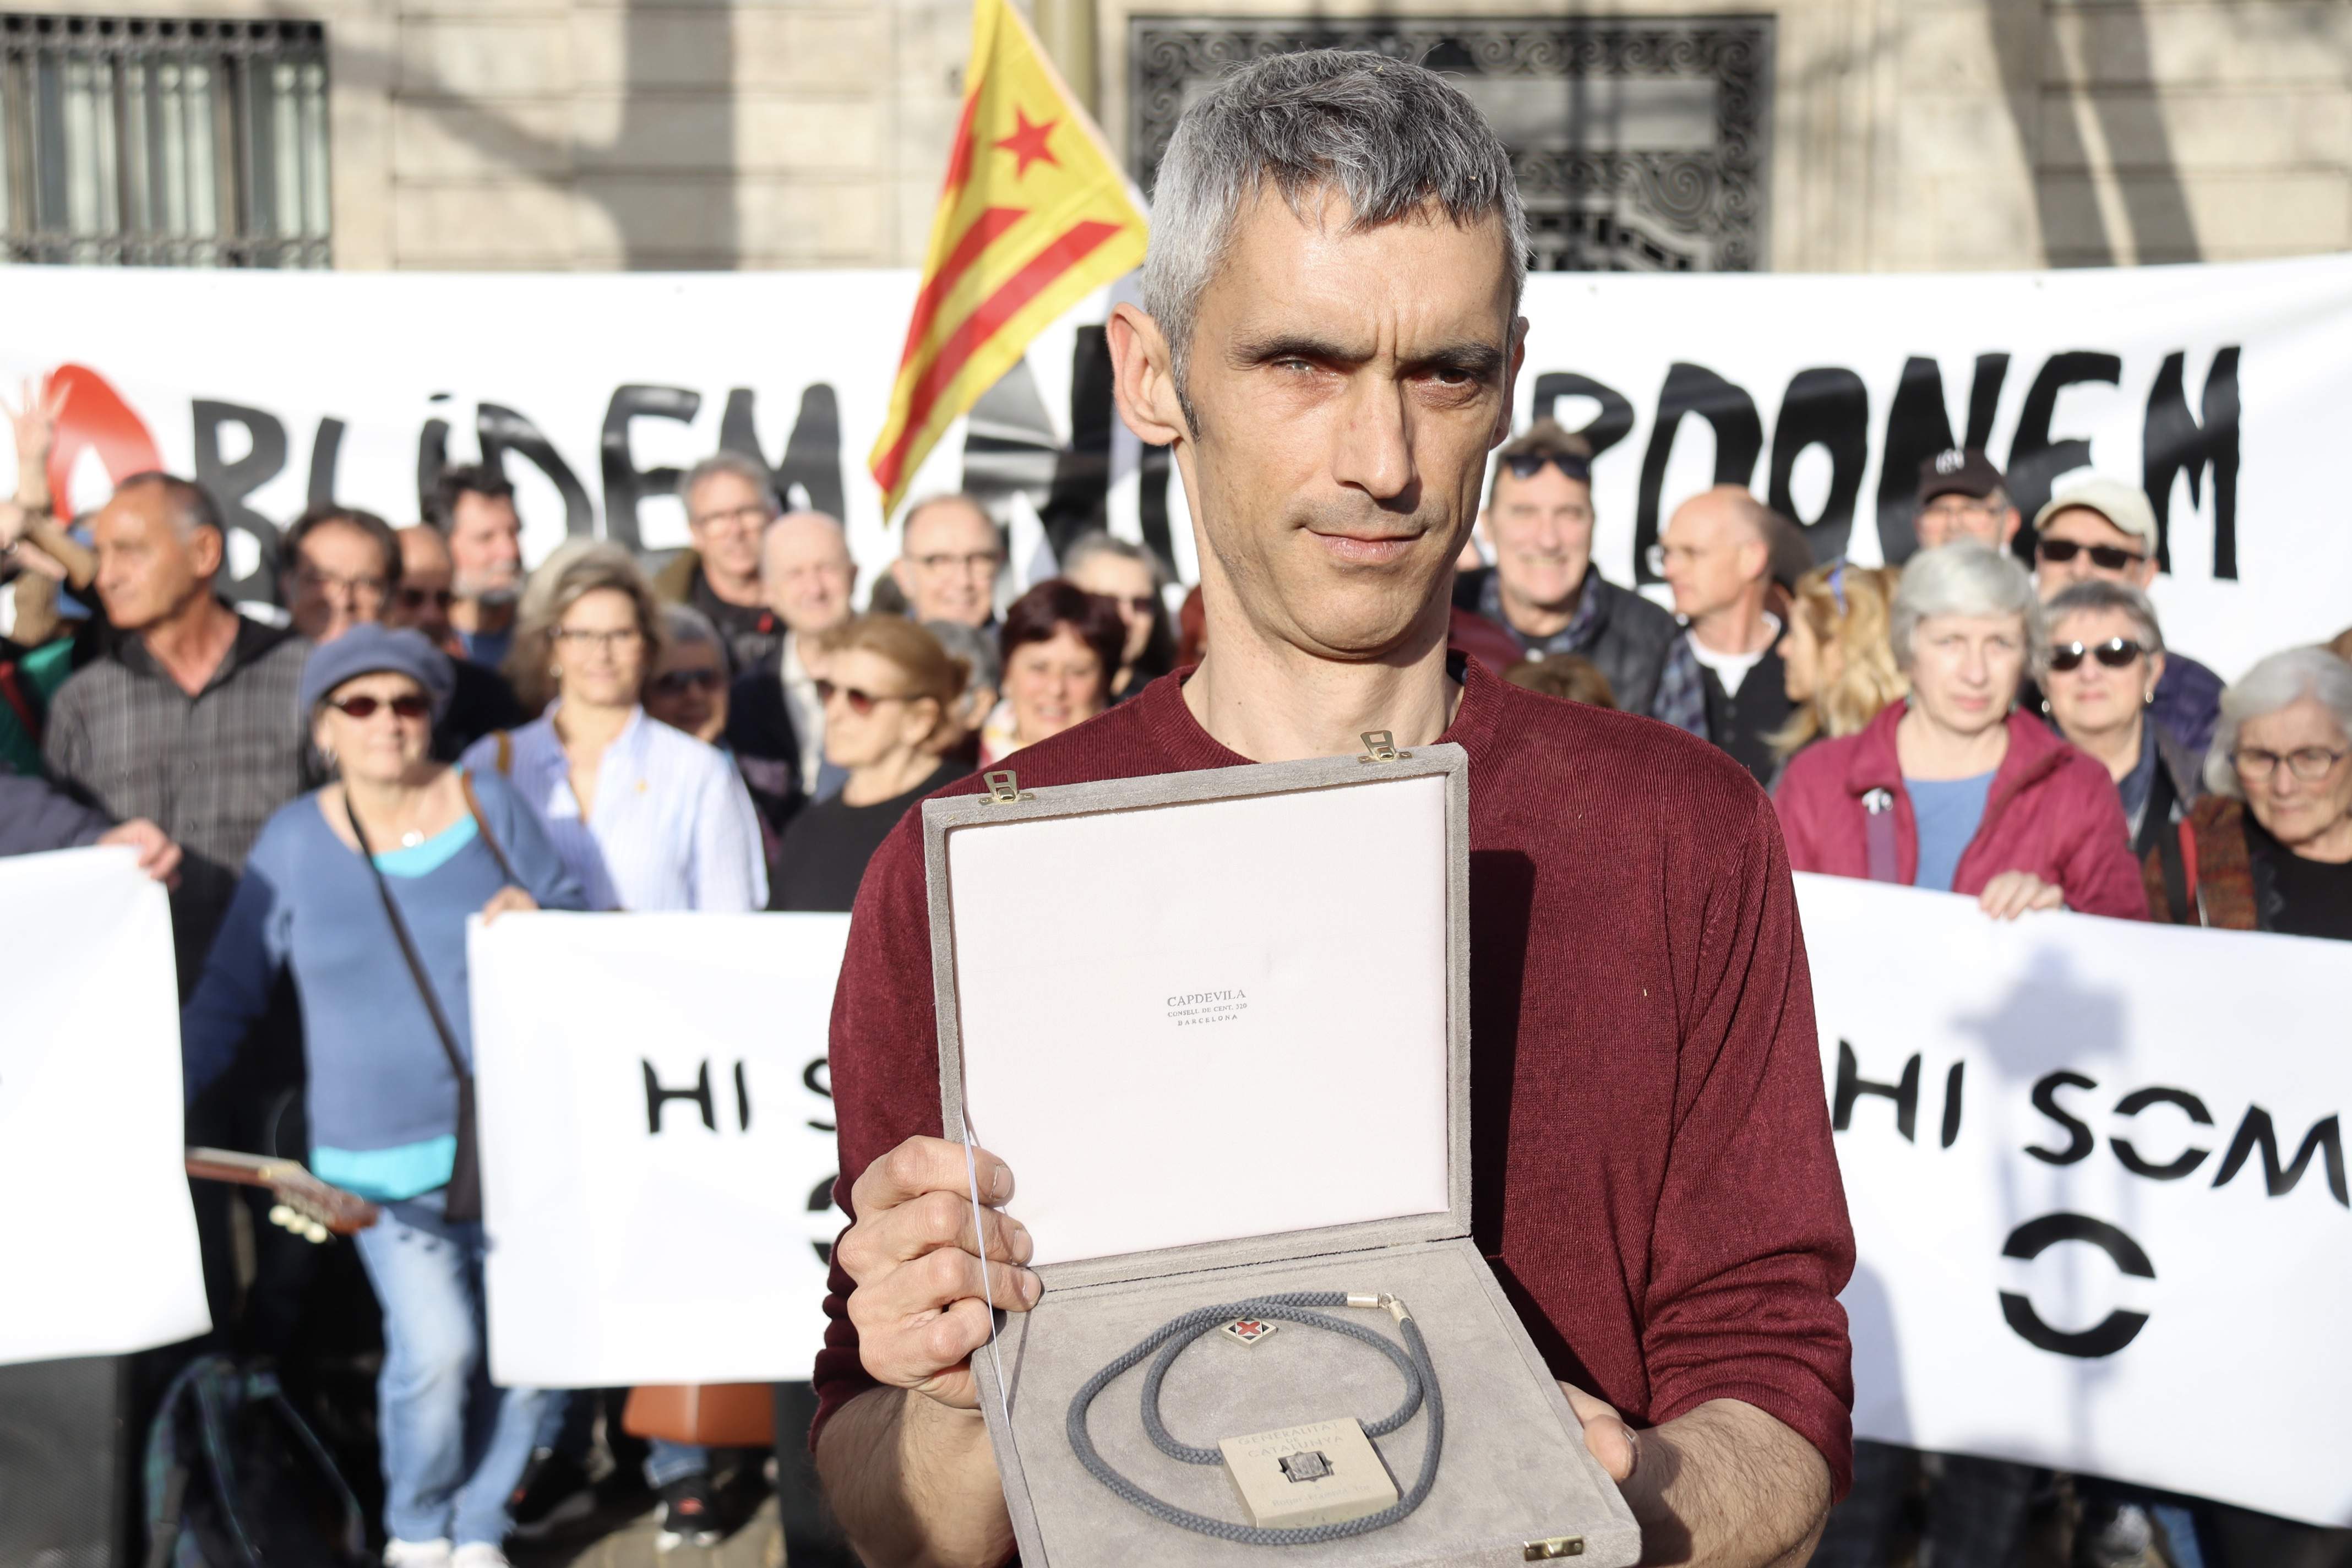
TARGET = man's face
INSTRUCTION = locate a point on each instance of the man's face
(422, 600)
(146, 569)
(805, 571)
(725, 514)
(335, 582)
(1708, 557)
(485, 548)
(1349, 386)
(1541, 528)
(1987, 519)
(2127, 560)
(949, 570)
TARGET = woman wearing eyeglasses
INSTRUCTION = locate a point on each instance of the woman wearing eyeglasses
(2101, 668)
(1952, 788)
(361, 891)
(648, 819)
(890, 696)
(2271, 847)
(647, 816)
(686, 686)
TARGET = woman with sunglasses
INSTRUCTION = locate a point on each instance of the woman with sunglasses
(361, 891)
(1951, 788)
(2101, 668)
(2269, 847)
(890, 696)
(686, 686)
(1130, 576)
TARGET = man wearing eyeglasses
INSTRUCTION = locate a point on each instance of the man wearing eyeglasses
(1963, 496)
(775, 721)
(729, 498)
(949, 565)
(2102, 528)
(1546, 592)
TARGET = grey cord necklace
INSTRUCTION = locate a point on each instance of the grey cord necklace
(1170, 1339)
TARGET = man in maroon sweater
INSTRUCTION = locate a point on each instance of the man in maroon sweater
(1331, 340)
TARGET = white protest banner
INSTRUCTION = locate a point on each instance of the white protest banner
(2097, 1179)
(95, 1221)
(657, 1147)
(2216, 387)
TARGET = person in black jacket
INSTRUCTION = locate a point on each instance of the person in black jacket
(1717, 554)
(1544, 590)
(775, 721)
(890, 696)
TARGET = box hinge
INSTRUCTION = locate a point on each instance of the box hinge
(1379, 746)
(1004, 788)
(1558, 1546)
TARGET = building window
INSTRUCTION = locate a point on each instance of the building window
(1641, 143)
(147, 142)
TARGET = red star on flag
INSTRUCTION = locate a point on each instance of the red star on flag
(1027, 142)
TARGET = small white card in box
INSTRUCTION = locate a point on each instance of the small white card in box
(1218, 1024)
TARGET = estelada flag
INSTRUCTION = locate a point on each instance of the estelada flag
(1034, 216)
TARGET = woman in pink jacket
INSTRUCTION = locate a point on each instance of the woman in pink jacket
(1952, 789)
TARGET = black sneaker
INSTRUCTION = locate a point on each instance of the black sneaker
(553, 1492)
(690, 1517)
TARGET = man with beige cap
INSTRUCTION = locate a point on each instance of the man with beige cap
(2096, 527)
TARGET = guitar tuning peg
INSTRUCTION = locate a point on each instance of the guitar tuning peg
(284, 1217)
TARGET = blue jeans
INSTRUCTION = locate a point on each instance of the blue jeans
(454, 1447)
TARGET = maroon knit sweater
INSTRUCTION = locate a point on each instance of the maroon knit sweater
(1653, 1177)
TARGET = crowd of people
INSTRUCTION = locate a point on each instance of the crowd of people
(418, 730)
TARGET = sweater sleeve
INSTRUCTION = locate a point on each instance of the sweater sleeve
(884, 1058)
(2099, 876)
(1751, 1243)
(246, 958)
(527, 847)
(35, 815)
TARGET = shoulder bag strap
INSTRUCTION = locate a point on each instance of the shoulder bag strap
(482, 827)
(505, 753)
(409, 949)
(1878, 841)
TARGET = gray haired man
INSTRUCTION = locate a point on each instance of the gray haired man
(729, 501)
(1330, 348)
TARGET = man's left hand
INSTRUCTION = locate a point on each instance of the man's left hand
(1724, 1485)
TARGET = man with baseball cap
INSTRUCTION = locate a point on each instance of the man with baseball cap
(1963, 496)
(2097, 526)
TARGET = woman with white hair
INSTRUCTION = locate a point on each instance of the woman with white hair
(1953, 789)
(2271, 847)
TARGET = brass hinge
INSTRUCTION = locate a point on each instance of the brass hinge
(1379, 746)
(1557, 1547)
(1004, 789)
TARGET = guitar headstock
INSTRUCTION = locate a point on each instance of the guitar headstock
(306, 1206)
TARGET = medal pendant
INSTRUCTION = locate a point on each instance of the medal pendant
(1321, 1473)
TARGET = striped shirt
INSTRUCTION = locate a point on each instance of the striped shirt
(671, 826)
(209, 769)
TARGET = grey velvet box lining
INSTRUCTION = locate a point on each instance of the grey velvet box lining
(1514, 1469)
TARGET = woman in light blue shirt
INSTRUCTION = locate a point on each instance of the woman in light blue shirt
(646, 816)
(382, 1094)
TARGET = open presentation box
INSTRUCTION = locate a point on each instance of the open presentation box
(1218, 1024)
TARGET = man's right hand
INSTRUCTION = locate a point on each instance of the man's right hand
(918, 1307)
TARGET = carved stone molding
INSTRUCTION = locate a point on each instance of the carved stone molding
(1640, 144)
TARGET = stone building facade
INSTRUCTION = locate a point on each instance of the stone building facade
(1802, 136)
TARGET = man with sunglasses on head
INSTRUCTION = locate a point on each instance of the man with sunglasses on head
(2102, 528)
(480, 702)
(1963, 496)
(1546, 592)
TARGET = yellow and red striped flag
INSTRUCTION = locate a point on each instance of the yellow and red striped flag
(1034, 216)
